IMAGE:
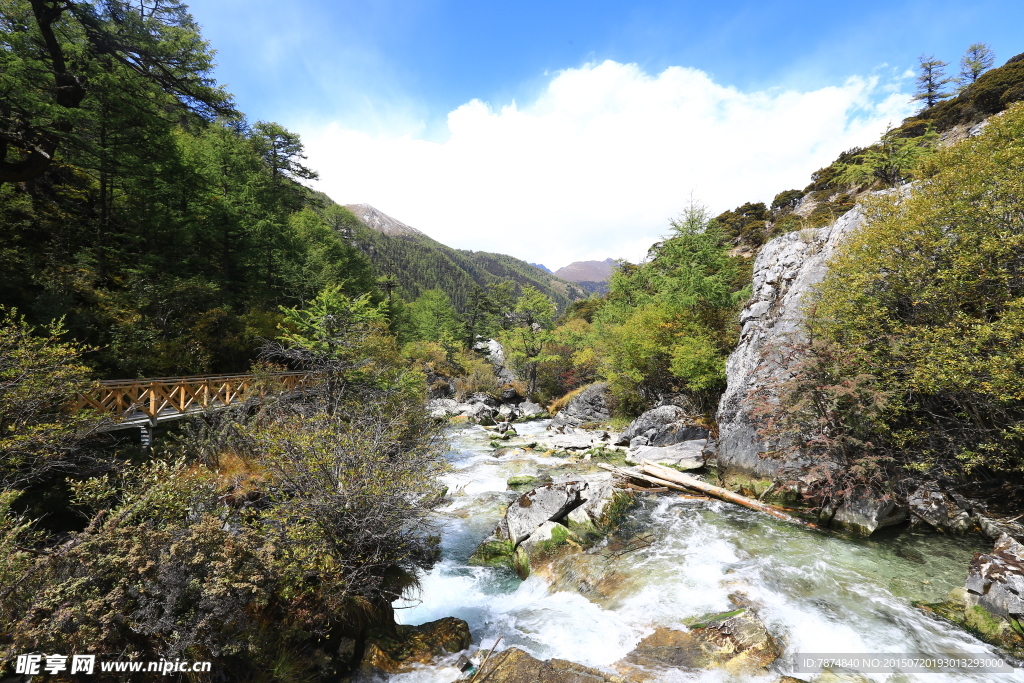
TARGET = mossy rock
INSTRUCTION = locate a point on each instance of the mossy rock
(612, 456)
(705, 620)
(560, 536)
(399, 650)
(493, 554)
(519, 562)
(524, 483)
(761, 489)
(1006, 634)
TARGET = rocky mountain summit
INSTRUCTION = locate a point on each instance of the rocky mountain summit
(381, 222)
(587, 271)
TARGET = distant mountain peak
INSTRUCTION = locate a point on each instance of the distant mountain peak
(542, 267)
(380, 221)
(587, 271)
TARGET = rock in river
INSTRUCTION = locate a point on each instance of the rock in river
(551, 513)
(735, 641)
(995, 581)
(515, 666)
(867, 511)
(408, 645)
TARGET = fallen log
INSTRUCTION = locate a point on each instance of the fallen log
(647, 489)
(629, 474)
(655, 470)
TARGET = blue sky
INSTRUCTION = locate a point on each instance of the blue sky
(558, 131)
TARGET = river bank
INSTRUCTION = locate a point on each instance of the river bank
(675, 558)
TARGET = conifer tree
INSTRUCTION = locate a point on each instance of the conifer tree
(931, 81)
(978, 59)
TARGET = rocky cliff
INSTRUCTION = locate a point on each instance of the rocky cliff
(785, 271)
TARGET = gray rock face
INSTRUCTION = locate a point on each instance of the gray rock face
(479, 412)
(536, 515)
(785, 270)
(443, 407)
(589, 406)
(661, 426)
(597, 497)
(995, 580)
(688, 455)
(867, 512)
(544, 532)
(528, 409)
(496, 355)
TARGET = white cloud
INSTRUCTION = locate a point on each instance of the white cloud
(601, 160)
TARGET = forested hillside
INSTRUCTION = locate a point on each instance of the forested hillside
(140, 206)
(416, 263)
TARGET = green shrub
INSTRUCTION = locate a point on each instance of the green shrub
(929, 292)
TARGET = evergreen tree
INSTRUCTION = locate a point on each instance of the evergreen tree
(931, 81)
(525, 341)
(432, 318)
(978, 59)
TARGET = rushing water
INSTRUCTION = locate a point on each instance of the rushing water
(815, 593)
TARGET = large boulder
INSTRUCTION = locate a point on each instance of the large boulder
(515, 666)
(548, 503)
(688, 455)
(480, 412)
(785, 271)
(443, 407)
(735, 641)
(601, 498)
(483, 398)
(589, 406)
(995, 581)
(511, 395)
(528, 409)
(548, 515)
(865, 512)
(662, 426)
(932, 507)
(399, 651)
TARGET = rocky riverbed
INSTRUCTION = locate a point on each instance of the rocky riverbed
(679, 589)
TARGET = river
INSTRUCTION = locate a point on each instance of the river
(679, 558)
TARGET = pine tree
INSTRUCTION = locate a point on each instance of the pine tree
(978, 59)
(931, 81)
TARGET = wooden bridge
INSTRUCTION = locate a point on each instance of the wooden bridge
(144, 403)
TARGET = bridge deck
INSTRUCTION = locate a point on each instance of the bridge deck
(142, 402)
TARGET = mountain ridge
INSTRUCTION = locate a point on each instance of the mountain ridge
(587, 271)
(416, 262)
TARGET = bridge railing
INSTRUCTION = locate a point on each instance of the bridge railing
(162, 398)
